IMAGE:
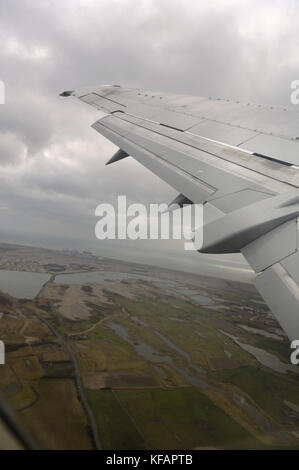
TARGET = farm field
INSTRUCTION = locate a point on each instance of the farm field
(142, 359)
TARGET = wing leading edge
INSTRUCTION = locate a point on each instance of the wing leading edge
(239, 160)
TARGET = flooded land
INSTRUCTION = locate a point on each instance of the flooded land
(106, 354)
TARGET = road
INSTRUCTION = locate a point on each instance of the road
(95, 325)
(80, 389)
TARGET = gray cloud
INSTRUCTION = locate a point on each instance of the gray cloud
(52, 172)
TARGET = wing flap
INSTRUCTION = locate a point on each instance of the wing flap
(272, 247)
(281, 293)
(274, 147)
(275, 257)
(221, 132)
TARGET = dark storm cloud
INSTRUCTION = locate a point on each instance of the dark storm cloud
(52, 173)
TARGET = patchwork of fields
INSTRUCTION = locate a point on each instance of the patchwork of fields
(158, 365)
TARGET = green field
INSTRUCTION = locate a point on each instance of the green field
(116, 429)
(267, 389)
(183, 419)
(167, 379)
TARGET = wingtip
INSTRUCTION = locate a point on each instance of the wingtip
(67, 93)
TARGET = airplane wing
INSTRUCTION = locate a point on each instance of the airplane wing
(241, 161)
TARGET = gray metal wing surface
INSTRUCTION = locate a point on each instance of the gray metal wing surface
(240, 160)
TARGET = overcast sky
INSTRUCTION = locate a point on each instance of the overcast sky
(52, 173)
